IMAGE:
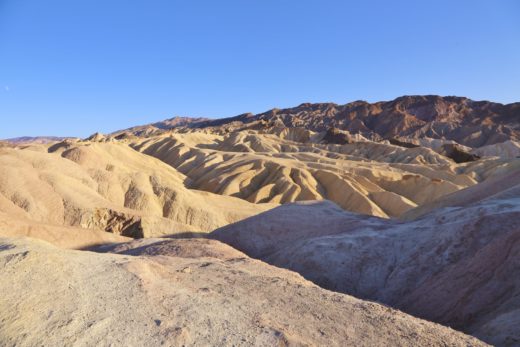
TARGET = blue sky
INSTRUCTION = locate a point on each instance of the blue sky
(76, 67)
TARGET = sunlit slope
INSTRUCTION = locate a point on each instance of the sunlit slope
(109, 186)
(365, 177)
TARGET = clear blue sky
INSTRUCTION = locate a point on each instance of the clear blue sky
(73, 67)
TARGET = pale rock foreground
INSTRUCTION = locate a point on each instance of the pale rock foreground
(171, 296)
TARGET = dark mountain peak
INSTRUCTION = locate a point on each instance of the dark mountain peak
(468, 122)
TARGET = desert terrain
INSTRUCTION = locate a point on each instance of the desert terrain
(366, 224)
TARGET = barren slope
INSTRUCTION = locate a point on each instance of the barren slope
(365, 177)
(503, 179)
(175, 299)
(457, 266)
(109, 187)
(61, 236)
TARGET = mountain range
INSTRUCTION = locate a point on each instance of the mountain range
(467, 122)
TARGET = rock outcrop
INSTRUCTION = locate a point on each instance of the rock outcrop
(458, 154)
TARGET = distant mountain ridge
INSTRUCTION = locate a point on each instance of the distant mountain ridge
(468, 122)
(35, 139)
(167, 124)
